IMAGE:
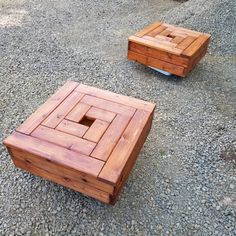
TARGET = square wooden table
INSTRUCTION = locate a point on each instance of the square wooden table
(83, 138)
(166, 47)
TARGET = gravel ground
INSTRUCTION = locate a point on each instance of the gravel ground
(184, 181)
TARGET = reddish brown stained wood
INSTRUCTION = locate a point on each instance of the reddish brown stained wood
(161, 42)
(114, 97)
(180, 46)
(166, 32)
(43, 111)
(72, 128)
(54, 168)
(96, 113)
(96, 131)
(148, 29)
(193, 48)
(152, 44)
(164, 56)
(65, 140)
(78, 112)
(177, 39)
(60, 153)
(186, 42)
(121, 153)
(110, 138)
(177, 70)
(156, 31)
(70, 183)
(55, 153)
(60, 112)
(108, 105)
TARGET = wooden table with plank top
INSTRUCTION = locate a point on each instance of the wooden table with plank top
(169, 48)
(83, 138)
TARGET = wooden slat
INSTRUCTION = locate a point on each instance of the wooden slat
(160, 42)
(44, 110)
(131, 160)
(96, 131)
(96, 113)
(55, 153)
(72, 128)
(65, 140)
(186, 42)
(183, 30)
(165, 32)
(150, 61)
(178, 34)
(152, 44)
(156, 31)
(164, 38)
(148, 29)
(78, 112)
(114, 166)
(108, 105)
(118, 98)
(69, 183)
(66, 173)
(177, 39)
(61, 111)
(164, 56)
(194, 47)
(110, 138)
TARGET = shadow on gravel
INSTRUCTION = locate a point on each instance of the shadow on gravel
(229, 155)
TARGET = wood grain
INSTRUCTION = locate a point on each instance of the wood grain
(60, 112)
(149, 28)
(72, 128)
(96, 113)
(54, 153)
(63, 139)
(114, 97)
(44, 111)
(110, 138)
(96, 131)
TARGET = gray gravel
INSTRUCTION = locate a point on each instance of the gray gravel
(184, 181)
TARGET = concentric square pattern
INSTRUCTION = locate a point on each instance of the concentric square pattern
(84, 138)
(173, 49)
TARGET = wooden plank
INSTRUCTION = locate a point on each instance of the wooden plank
(60, 170)
(69, 183)
(78, 112)
(147, 29)
(164, 38)
(194, 47)
(108, 105)
(150, 43)
(165, 32)
(114, 97)
(64, 140)
(178, 34)
(183, 30)
(72, 128)
(160, 42)
(186, 42)
(114, 166)
(44, 110)
(177, 39)
(110, 138)
(164, 56)
(96, 131)
(61, 111)
(96, 113)
(156, 31)
(150, 61)
(131, 160)
(55, 153)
